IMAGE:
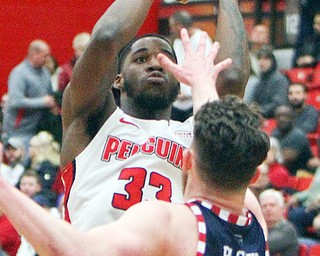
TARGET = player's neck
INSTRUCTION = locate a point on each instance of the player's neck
(232, 201)
(145, 113)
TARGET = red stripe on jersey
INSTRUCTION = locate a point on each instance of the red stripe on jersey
(201, 228)
(68, 173)
(239, 220)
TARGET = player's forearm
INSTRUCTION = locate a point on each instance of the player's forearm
(122, 20)
(47, 234)
(231, 34)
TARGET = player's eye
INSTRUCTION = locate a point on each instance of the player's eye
(140, 59)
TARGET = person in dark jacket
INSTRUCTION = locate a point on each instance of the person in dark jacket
(272, 87)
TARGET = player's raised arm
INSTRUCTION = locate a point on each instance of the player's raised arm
(231, 34)
(88, 100)
(95, 71)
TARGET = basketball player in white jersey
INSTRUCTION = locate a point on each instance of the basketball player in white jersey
(114, 158)
(212, 222)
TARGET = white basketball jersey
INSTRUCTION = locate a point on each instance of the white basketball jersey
(128, 161)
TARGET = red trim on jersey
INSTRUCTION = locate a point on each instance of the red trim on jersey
(201, 228)
(19, 117)
(227, 216)
(67, 175)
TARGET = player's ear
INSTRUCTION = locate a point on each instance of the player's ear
(187, 160)
(118, 83)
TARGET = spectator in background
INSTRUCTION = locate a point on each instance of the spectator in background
(305, 116)
(29, 92)
(79, 44)
(282, 236)
(9, 237)
(30, 185)
(271, 89)
(51, 120)
(53, 66)
(14, 153)
(258, 37)
(303, 206)
(273, 174)
(3, 105)
(183, 107)
(308, 53)
(4, 102)
(294, 143)
(44, 156)
(316, 224)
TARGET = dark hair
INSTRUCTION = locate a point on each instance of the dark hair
(266, 51)
(182, 17)
(228, 142)
(127, 48)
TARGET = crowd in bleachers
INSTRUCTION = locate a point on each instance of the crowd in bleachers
(287, 182)
(288, 98)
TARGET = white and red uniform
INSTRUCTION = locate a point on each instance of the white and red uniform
(128, 161)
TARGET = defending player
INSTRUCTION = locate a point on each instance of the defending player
(214, 221)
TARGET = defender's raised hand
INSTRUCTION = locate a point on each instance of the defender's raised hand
(198, 70)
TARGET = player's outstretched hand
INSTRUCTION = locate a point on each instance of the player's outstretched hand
(197, 69)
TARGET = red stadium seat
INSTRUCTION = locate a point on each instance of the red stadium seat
(303, 250)
(313, 98)
(314, 250)
(300, 75)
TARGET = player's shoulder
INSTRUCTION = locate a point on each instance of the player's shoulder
(158, 210)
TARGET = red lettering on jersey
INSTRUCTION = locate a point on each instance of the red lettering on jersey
(173, 152)
(149, 146)
(178, 161)
(134, 150)
(162, 147)
(110, 148)
(124, 151)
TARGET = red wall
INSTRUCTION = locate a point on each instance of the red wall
(54, 21)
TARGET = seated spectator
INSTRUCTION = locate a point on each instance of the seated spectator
(30, 185)
(44, 156)
(273, 174)
(305, 116)
(9, 237)
(302, 206)
(271, 89)
(258, 37)
(282, 236)
(308, 53)
(14, 153)
(294, 143)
